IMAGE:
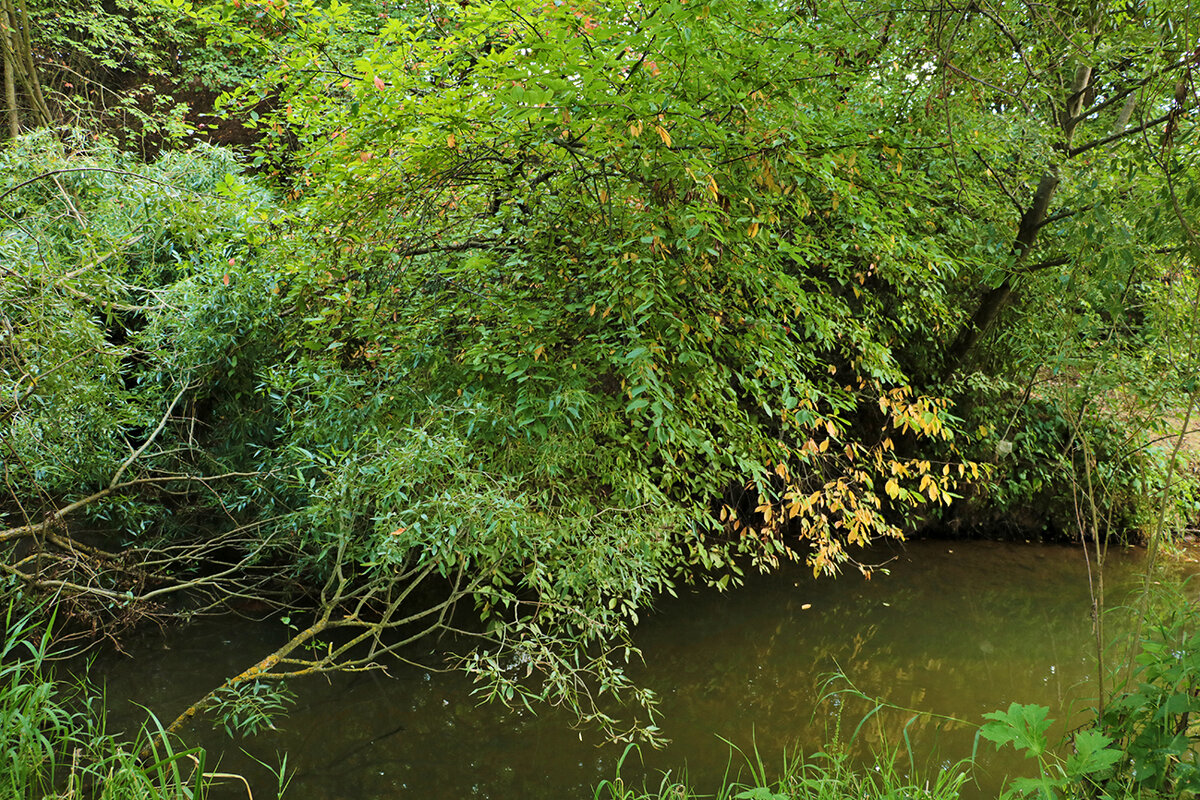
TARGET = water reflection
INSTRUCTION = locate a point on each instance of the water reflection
(957, 629)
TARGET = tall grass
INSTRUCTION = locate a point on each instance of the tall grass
(821, 776)
(54, 744)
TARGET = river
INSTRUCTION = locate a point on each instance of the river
(954, 628)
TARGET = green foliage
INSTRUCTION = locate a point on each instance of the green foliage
(113, 299)
(1024, 727)
(1091, 345)
(252, 707)
(1143, 743)
(105, 64)
(88, 40)
(1150, 716)
(1064, 443)
(563, 304)
(55, 743)
(821, 776)
(647, 282)
(575, 350)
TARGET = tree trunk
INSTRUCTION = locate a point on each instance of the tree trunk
(16, 50)
(37, 99)
(997, 299)
(7, 54)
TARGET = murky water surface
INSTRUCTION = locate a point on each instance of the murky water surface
(958, 629)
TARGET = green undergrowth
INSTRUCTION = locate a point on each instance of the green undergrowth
(55, 743)
(829, 775)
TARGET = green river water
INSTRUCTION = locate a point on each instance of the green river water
(957, 628)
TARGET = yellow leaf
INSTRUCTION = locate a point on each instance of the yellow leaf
(662, 134)
(450, 141)
(752, 231)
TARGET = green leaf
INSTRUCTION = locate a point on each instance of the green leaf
(760, 793)
(1091, 754)
(1022, 726)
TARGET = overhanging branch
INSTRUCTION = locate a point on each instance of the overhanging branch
(1083, 148)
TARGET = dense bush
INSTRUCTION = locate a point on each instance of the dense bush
(554, 306)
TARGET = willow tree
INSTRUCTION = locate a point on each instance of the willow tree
(1070, 126)
(580, 301)
(572, 302)
(1068, 133)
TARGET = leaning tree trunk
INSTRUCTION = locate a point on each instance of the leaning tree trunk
(34, 80)
(16, 48)
(998, 298)
(10, 80)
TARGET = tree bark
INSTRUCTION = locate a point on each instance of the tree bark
(1126, 112)
(17, 51)
(997, 299)
(41, 108)
(10, 85)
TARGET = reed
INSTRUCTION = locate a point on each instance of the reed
(829, 775)
(55, 742)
